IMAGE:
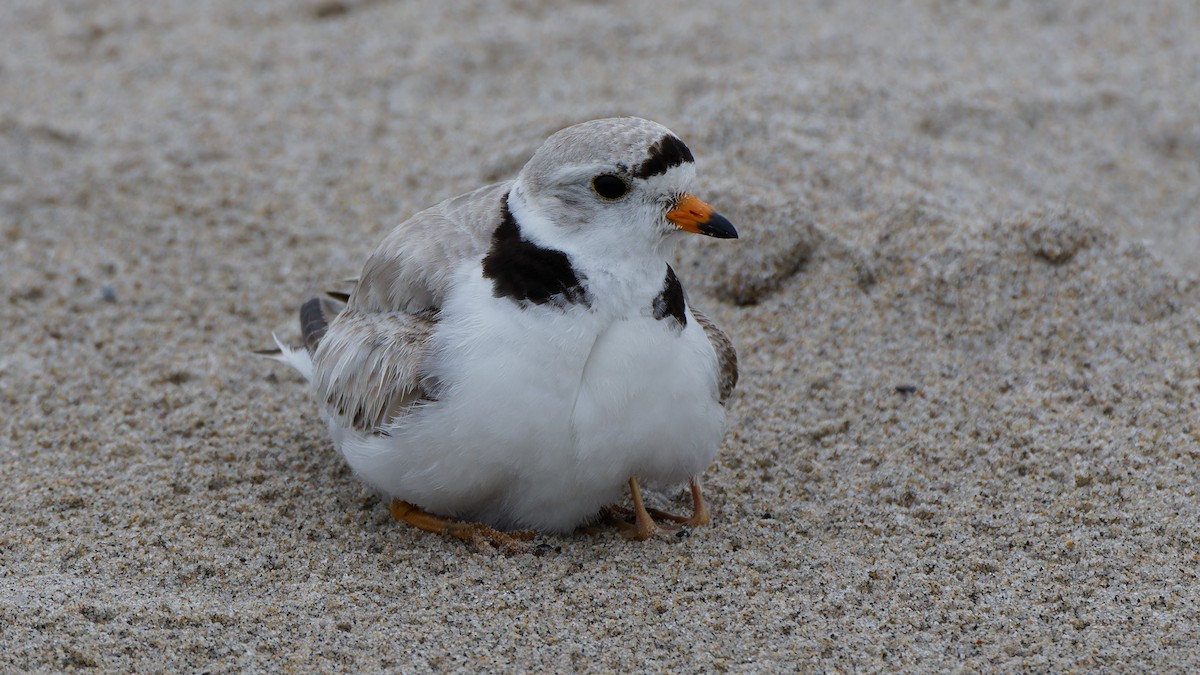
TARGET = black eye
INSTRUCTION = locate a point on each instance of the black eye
(610, 186)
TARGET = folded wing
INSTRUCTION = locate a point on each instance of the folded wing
(727, 366)
(369, 357)
(412, 268)
(367, 369)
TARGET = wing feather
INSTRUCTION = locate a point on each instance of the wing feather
(367, 368)
(368, 363)
(411, 269)
(727, 365)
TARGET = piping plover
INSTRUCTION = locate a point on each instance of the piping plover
(512, 358)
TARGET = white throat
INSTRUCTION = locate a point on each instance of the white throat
(619, 266)
(608, 242)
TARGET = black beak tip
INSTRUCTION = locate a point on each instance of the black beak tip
(718, 226)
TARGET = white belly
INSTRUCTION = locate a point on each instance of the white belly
(544, 413)
(648, 403)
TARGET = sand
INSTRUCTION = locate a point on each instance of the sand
(965, 298)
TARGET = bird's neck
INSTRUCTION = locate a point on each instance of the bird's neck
(621, 271)
(597, 243)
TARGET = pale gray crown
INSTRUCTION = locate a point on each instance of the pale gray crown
(624, 142)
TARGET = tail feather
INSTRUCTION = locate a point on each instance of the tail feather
(315, 316)
(299, 359)
(312, 324)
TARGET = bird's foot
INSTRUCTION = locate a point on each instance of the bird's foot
(484, 538)
(627, 522)
(641, 523)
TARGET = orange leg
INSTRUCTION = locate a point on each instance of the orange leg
(699, 515)
(486, 539)
(644, 523)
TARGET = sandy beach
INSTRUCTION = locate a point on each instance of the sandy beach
(965, 300)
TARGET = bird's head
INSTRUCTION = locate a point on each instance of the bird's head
(614, 186)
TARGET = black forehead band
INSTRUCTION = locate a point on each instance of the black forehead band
(666, 152)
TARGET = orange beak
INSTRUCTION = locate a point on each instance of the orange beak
(693, 215)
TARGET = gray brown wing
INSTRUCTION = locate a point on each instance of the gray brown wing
(367, 362)
(411, 269)
(367, 367)
(727, 368)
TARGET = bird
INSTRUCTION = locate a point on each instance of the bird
(509, 360)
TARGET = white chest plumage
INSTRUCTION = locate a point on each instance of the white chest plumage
(647, 404)
(543, 411)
